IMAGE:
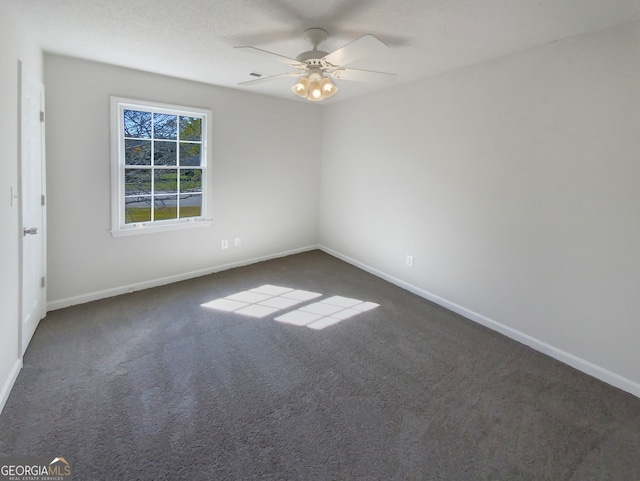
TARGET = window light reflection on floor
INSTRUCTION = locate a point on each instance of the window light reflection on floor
(268, 299)
(326, 312)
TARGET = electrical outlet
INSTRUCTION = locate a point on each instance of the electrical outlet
(409, 261)
(224, 244)
(237, 242)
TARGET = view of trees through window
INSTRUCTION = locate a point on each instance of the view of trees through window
(162, 166)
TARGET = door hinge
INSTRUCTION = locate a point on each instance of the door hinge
(43, 282)
(42, 200)
(42, 116)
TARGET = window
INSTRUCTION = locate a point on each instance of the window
(159, 166)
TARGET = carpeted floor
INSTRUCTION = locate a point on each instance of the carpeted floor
(153, 386)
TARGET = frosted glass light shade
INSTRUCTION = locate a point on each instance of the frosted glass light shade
(301, 87)
(315, 91)
(328, 88)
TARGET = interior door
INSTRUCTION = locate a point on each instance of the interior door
(32, 198)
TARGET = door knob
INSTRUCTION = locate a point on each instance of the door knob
(32, 231)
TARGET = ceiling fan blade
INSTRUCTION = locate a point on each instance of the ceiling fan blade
(362, 47)
(273, 56)
(270, 77)
(358, 75)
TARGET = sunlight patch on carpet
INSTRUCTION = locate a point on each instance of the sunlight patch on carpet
(326, 312)
(262, 301)
(268, 299)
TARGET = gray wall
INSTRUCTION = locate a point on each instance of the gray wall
(16, 45)
(264, 164)
(515, 184)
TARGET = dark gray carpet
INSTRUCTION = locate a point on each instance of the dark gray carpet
(151, 386)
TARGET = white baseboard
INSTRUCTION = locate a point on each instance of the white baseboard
(9, 382)
(576, 362)
(116, 291)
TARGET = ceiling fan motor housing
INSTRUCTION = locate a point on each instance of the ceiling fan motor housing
(312, 57)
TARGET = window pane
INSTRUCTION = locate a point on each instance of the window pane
(190, 205)
(137, 124)
(164, 126)
(166, 181)
(189, 154)
(190, 128)
(137, 181)
(190, 180)
(164, 153)
(137, 152)
(137, 209)
(165, 207)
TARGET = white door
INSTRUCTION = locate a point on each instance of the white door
(32, 197)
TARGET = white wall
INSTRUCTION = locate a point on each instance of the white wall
(265, 166)
(515, 184)
(15, 45)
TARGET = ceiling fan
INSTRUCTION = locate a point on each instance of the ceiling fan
(316, 67)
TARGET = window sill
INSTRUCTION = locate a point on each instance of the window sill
(153, 228)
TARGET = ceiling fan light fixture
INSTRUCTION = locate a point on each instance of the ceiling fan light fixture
(314, 87)
(316, 68)
(301, 87)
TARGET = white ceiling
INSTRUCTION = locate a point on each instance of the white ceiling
(194, 39)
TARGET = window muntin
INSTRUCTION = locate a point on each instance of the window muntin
(159, 170)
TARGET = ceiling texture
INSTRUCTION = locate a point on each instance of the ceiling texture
(194, 39)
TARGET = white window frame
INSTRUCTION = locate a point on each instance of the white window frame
(118, 225)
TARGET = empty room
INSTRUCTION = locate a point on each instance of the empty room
(340, 240)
